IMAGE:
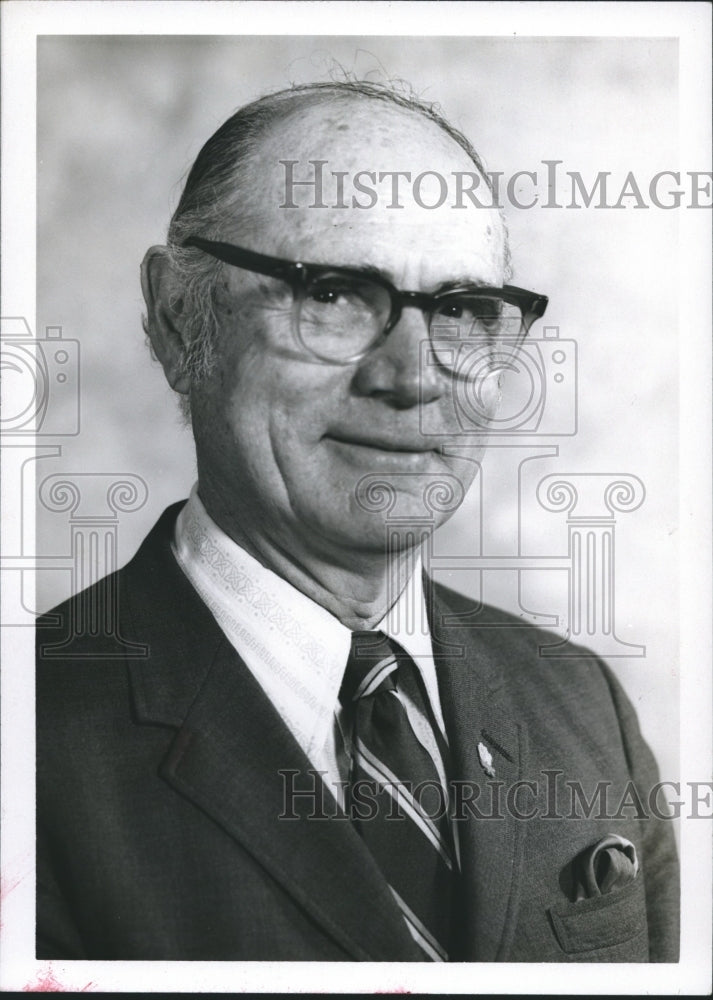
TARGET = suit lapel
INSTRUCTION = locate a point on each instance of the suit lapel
(233, 756)
(482, 735)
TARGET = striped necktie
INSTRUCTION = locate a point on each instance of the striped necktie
(396, 799)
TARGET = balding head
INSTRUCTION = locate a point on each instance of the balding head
(237, 143)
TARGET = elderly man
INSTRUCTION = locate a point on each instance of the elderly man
(278, 765)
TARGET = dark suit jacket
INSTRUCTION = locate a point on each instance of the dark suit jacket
(159, 795)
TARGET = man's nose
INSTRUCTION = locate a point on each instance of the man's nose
(398, 370)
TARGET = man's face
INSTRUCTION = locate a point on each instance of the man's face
(284, 441)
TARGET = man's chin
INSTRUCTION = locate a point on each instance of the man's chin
(384, 500)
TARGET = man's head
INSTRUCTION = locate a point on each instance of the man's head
(285, 441)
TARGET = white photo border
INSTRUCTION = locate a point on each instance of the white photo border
(22, 22)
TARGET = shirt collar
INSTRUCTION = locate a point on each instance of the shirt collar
(296, 649)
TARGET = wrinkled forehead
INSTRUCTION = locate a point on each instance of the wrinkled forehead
(334, 179)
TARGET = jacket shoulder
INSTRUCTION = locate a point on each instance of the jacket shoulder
(543, 676)
(503, 632)
(97, 623)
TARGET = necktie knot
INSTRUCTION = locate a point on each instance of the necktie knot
(371, 667)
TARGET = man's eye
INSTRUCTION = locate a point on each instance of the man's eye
(328, 295)
(452, 311)
(470, 316)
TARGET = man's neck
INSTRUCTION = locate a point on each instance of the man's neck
(357, 587)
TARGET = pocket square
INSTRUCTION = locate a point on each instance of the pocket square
(608, 865)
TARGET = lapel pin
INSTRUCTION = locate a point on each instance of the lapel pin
(486, 760)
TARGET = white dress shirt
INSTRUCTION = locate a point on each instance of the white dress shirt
(296, 649)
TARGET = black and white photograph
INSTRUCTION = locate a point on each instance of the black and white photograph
(356, 451)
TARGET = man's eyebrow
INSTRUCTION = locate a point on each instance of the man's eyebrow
(371, 271)
(468, 284)
(366, 270)
(465, 283)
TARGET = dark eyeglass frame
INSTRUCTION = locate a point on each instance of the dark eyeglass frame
(299, 274)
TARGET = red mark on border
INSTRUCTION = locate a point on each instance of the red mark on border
(47, 982)
(7, 885)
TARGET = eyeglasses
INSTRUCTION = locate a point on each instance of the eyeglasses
(342, 313)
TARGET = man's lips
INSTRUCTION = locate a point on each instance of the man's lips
(376, 443)
(384, 454)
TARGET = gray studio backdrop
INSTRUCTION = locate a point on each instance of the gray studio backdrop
(120, 120)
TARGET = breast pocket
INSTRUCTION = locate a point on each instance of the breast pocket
(610, 928)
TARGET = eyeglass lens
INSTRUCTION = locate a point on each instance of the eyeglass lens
(341, 316)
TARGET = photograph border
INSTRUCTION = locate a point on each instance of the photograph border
(22, 23)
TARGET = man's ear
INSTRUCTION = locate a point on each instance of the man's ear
(164, 303)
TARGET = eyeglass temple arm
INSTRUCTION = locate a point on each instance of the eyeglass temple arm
(274, 267)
